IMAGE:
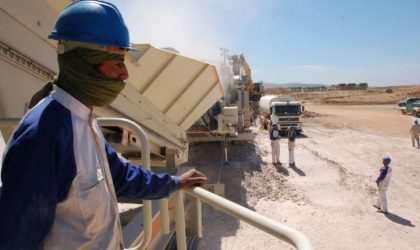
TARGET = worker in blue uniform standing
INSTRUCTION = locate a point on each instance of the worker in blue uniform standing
(60, 176)
(382, 182)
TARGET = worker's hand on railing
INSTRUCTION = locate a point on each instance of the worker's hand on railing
(192, 178)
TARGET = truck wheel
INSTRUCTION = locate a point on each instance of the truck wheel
(193, 243)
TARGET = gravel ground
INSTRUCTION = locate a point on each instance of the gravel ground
(328, 196)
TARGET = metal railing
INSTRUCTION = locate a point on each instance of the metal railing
(145, 157)
(9, 122)
(282, 232)
(278, 230)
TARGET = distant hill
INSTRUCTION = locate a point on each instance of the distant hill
(289, 85)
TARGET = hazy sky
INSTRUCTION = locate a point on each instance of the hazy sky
(306, 41)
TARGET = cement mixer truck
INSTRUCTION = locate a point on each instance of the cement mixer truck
(283, 110)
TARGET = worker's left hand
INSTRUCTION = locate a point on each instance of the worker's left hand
(192, 178)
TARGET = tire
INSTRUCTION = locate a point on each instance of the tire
(193, 243)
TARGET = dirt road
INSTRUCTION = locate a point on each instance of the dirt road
(329, 194)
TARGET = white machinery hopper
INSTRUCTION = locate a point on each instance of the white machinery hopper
(165, 93)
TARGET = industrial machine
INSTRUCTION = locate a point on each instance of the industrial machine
(241, 68)
(231, 117)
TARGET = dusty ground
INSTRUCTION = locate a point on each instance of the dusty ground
(370, 96)
(329, 194)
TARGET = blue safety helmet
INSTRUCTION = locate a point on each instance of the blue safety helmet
(92, 21)
(386, 160)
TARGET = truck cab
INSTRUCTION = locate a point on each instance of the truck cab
(286, 114)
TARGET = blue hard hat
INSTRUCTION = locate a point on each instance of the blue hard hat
(92, 21)
(386, 160)
(290, 128)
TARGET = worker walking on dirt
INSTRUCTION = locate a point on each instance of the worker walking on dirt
(291, 136)
(275, 144)
(60, 177)
(415, 130)
(383, 182)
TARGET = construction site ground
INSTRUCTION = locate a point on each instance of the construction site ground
(329, 195)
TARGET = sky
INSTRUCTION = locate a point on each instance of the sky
(289, 41)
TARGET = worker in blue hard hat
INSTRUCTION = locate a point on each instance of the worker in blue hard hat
(60, 176)
(291, 138)
(382, 182)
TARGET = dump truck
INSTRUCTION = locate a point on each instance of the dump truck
(165, 94)
(282, 110)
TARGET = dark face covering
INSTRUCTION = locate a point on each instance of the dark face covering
(80, 78)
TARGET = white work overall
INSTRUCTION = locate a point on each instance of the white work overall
(382, 188)
(291, 146)
(275, 147)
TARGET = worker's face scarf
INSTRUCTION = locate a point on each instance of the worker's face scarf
(80, 77)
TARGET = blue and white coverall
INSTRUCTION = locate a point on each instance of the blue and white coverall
(383, 181)
(61, 179)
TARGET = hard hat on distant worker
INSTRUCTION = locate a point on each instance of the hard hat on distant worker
(275, 126)
(386, 160)
(91, 22)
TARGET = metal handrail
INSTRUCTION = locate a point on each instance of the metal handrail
(278, 230)
(145, 156)
(9, 122)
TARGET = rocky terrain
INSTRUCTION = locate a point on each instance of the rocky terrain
(328, 196)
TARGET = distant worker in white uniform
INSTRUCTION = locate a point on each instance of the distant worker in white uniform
(415, 130)
(275, 144)
(383, 181)
(291, 136)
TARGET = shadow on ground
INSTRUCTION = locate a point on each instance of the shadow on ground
(399, 220)
(298, 170)
(208, 158)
